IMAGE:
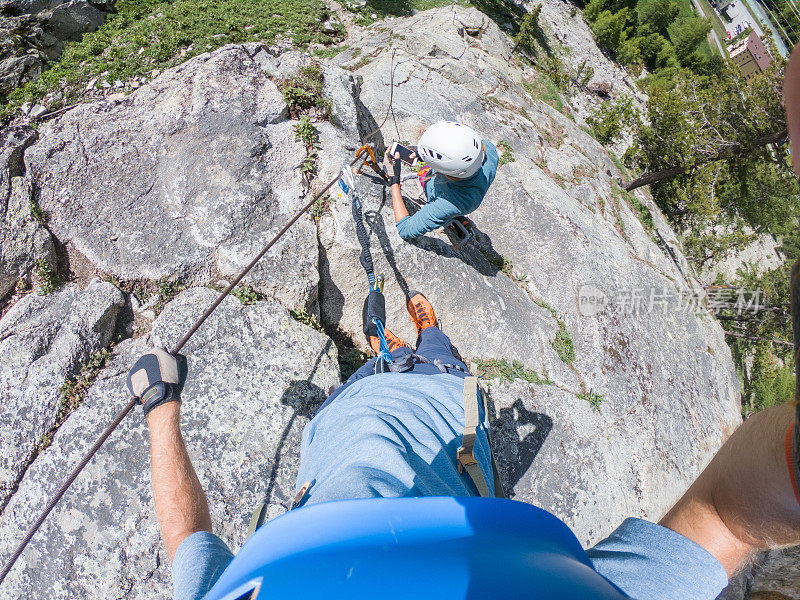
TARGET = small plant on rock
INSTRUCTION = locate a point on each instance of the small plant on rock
(303, 93)
(303, 316)
(305, 132)
(593, 398)
(48, 279)
(508, 154)
(37, 214)
(320, 206)
(247, 295)
(563, 345)
(503, 370)
(167, 290)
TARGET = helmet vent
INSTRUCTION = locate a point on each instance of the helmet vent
(467, 159)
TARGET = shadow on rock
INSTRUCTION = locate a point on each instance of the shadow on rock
(305, 398)
(506, 435)
(480, 255)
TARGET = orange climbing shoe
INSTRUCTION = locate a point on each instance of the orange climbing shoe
(421, 311)
(392, 341)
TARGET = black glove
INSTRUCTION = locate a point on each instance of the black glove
(157, 377)
(374, 306)
(396, 165)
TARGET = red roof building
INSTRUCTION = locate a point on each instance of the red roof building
(751, 56)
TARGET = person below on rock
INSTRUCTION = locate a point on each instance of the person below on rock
(387, 504)
(460, 167)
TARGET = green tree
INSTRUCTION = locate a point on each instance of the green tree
(686, 36)
(713, 150)
(650, 45)
(609, 121)
(529, 32)
(658, 15)
(700, 119)
(609, 29)
(666, 57)
(593, 10)
(629, 52)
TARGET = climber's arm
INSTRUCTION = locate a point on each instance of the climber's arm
(400, 210)
(744, 499)
(181, 506)
(431, 216)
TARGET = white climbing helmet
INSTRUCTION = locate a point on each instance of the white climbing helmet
(451, 149)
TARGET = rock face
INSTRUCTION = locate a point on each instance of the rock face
(770, 572)
(585, 286)
(204, 157)
(22, 240)
(43, 340)
(255, 377)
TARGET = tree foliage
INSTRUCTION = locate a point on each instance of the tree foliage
(650, 33)
(658, 15)
(687, 35)
(609, 28)
(529, 32)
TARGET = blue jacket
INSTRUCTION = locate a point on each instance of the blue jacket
(449, 198)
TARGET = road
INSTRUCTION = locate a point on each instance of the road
(713, 34)
(756, 10)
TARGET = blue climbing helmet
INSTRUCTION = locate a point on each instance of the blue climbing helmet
(405, 548)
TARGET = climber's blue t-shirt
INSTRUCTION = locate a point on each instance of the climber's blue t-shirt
(448, 198)
(395, 435)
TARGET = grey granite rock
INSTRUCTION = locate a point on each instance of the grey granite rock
(256, 376)
(22, 239)
(43, 341)
(769, 575)
(189, 176)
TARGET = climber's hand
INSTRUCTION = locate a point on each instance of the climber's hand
(157, 377)
(394, 163)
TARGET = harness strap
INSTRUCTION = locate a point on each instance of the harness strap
(465, 454)
(406, 363)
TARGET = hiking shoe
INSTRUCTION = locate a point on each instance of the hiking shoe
(392, 341)
(421, 311)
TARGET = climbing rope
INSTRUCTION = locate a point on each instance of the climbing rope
(368, 156)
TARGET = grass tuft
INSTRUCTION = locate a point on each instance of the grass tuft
(507, 155)
(593, 398)
(563, 345)
(504, 371)
(49, 281)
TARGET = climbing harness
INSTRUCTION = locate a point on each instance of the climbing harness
(366, 154)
